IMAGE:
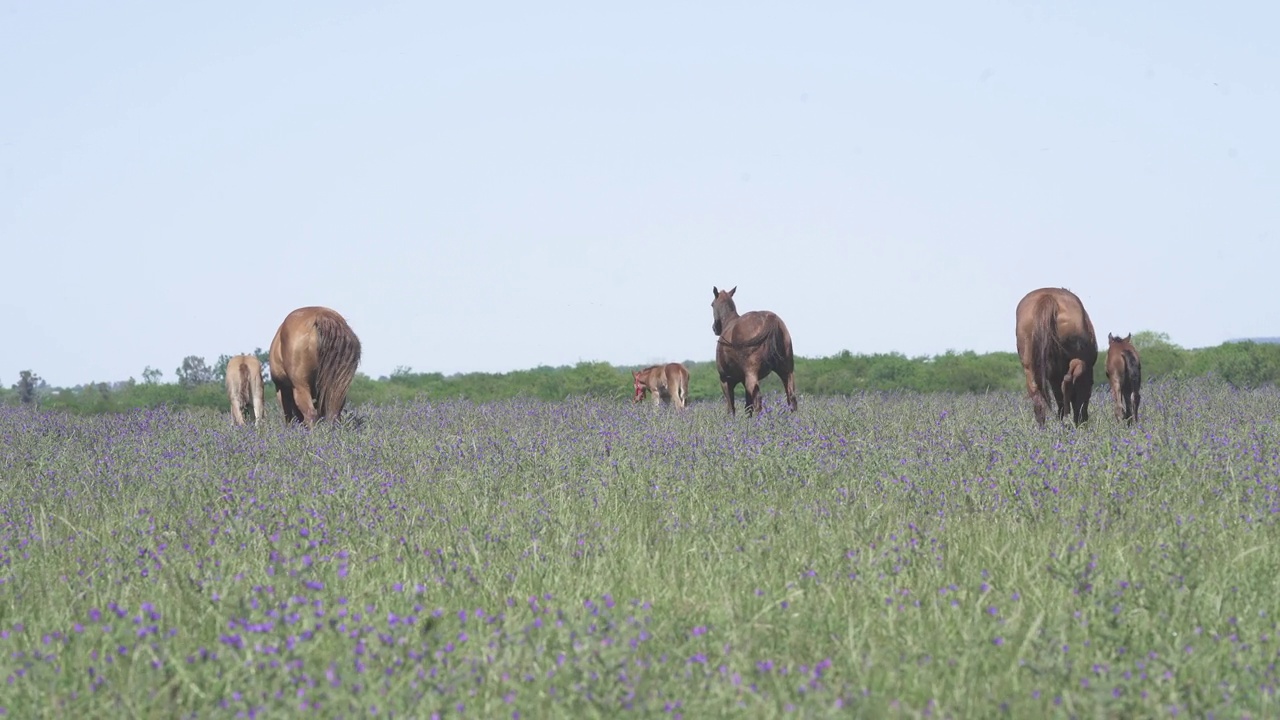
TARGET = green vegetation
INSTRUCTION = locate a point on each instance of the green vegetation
(884, 555)
(1243, 364)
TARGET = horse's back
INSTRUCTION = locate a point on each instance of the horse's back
(750, 326)
(757, 341)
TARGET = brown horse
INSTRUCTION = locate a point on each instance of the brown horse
(1124, 371)
(664, 382)
(1058, 350)
(314, 357)
(750, 347)
(244, 386)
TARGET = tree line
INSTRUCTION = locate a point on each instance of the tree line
(197, 384)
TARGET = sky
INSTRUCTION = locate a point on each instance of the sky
(495, 186)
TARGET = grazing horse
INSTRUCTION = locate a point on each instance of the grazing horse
(1124, 371)
(314, 356)
(1058, 350)
(750, 347)
(664, 383)
(244, 386)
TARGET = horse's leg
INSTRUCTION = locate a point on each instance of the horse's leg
(789, 386)
(257, 403)
(284, 393)
(726, 387)
(753, 404)
(1037, 402)
(306, 406)
(1081, 409)
(1118, 399)
(237, 415)
(1063, 397)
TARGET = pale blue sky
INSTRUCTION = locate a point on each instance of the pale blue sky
(493, 186)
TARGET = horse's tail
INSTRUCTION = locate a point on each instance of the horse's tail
(338, 356)
(246, 393)
(1132, 369)
(677, 380)
(1044, 339)
(781, 350)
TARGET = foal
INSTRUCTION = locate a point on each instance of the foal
(665, 382)
(244, 387)
(1124, 370)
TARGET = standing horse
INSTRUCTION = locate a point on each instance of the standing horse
(244, 386)
(664, 382)
(314, 357)
(750, 347)
(1058, 350)
(1124, 371)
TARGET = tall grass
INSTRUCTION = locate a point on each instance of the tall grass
(885, 555)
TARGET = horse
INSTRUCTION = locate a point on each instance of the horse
(244, 385)
(1058, 349)
(1124, 371)
(750, 347)
(314, 356)
(664, 382)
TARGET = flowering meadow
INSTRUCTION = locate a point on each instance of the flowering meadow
(881, 555)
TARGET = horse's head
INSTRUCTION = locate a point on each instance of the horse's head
(639, 387)
(722, 308)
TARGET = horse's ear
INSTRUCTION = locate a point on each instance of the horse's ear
(715, 292)
(1111, 338)
(734, 290)
(1128, 337)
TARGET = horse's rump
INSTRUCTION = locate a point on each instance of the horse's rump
(771, 334)
(677, 381)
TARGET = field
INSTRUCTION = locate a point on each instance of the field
(882, 555)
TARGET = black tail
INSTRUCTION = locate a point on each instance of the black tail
(1132, 370)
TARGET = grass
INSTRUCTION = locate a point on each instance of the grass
(884, 555)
